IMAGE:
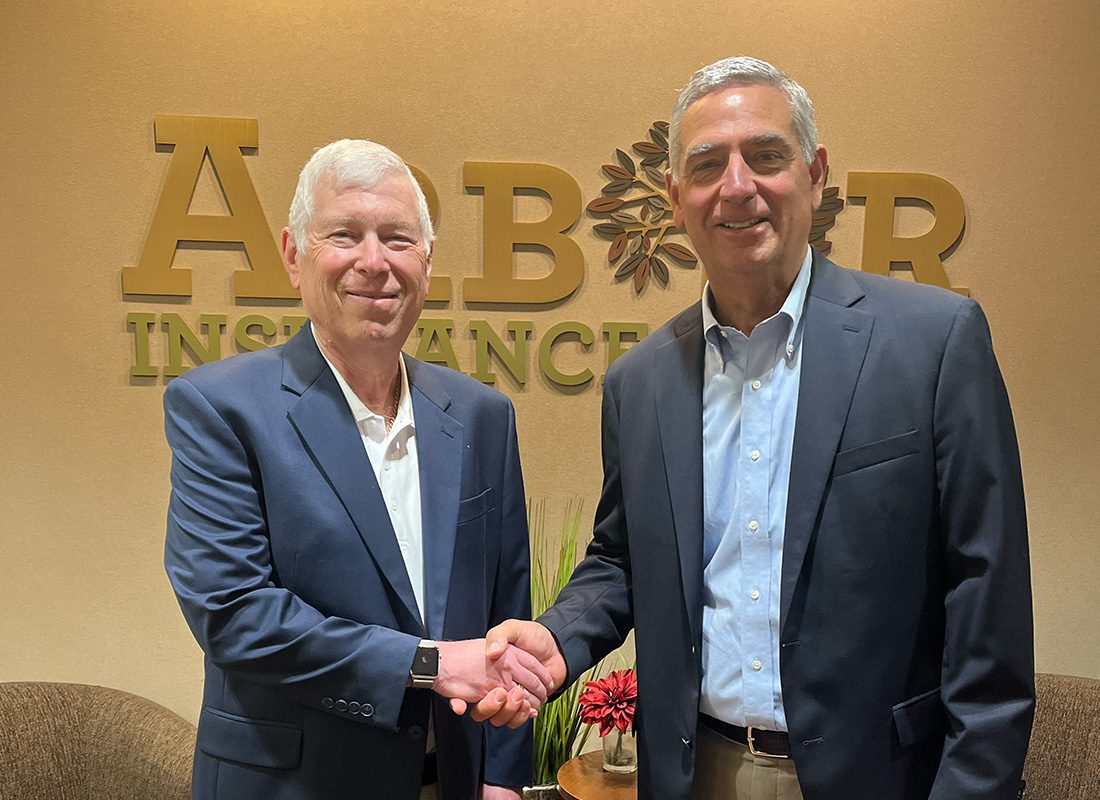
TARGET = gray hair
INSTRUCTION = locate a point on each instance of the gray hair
(355, 161)
(744, 71)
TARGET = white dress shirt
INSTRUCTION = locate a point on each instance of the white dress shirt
(750, 400)
(393, 458)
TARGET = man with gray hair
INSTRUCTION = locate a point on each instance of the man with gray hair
(345, 522)
(812, 513)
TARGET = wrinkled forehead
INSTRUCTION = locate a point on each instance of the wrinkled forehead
(755, 110)
(367, 180)
(754, 100)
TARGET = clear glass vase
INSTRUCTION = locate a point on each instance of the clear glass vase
(620, 751)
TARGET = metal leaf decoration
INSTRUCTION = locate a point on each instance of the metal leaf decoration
(824, 218)
(634, 212)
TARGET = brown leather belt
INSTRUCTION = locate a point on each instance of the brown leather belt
(770, 744)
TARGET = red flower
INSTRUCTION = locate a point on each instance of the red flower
(610, 701)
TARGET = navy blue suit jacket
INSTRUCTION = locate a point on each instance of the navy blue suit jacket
(906, 638)
(281, 553)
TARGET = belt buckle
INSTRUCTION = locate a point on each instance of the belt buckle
(754, 751)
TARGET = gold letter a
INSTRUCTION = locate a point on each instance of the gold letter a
(222, 138)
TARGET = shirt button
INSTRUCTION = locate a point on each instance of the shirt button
(754, 455)
(756, 384)
(386, 465)
(755, 594)
(757, 665)
(753, 526)
(790, 349)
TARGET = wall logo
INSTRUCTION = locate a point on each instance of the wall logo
(640, 214)
(633, 212)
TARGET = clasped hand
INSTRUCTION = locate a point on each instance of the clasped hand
(512, 678)
(507, 676)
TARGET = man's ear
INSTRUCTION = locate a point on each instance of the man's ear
(674, 197)
(819, 173)
(290, 258)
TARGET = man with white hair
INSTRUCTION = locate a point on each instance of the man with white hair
(812, 512)
(345, 522)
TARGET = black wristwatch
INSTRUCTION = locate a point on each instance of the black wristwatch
(425, 667)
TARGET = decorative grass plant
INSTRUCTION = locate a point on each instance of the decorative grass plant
(557, 728)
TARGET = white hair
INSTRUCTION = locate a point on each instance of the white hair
(744, 71)
(355, 161)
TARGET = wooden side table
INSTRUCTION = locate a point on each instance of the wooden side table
(583, 778)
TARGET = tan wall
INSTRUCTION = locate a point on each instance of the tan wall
(998, 100)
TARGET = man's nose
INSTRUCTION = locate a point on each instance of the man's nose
(738, 182)
(369, 257)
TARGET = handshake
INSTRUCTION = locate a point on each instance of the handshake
(503, 678)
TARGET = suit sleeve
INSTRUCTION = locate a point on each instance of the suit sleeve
(218, 559)
(594, 612)
(988, 669)
(509, 753)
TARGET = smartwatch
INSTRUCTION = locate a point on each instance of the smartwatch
(425, 667)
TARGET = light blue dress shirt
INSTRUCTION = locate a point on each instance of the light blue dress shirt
(750, 400)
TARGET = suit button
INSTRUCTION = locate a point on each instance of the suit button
(353, 707)
(416, 733)
(368, 710)
(341, 705)
(326, 702)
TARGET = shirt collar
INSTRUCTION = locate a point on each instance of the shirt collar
(375, 424)
(792, 307)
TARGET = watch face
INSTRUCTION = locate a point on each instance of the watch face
(427, 661)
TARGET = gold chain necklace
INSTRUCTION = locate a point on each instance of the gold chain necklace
(391, 416)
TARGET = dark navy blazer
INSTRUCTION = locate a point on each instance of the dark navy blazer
(281, 553)
(906, 632)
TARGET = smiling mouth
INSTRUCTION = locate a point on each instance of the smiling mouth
(740, 226)
(373, 295)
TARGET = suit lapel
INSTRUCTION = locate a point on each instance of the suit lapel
(835, 339)
(325, 424)
(678, 371)
(440, 440)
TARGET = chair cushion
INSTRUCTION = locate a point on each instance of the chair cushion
(1063, 761)
(62, 741)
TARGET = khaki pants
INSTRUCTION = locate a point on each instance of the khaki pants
(726, 770)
